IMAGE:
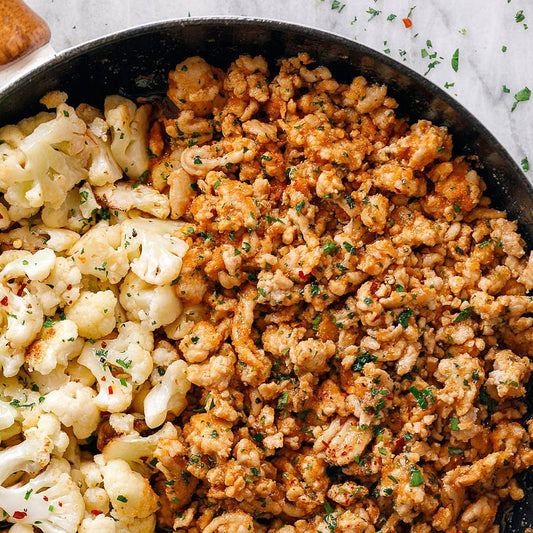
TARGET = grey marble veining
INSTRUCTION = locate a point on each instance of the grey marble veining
(495, 45)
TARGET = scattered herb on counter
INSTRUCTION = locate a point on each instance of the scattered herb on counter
(455, 60)
(521, 96)
(519, 17)
(504, 48)
(506, 89)
(373, 12)
(336, 5)
(391, 17)
(525, 164)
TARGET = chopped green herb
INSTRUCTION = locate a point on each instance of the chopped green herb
(521, 96)
(464, 314)
(403, 317)
(416, 478)
(455, 60)
(362, 360)
(330, 247)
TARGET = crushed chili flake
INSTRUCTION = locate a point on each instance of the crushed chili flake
(408, 22)
(19, 515)
(110, 389)
(95, 512)
(4, 300)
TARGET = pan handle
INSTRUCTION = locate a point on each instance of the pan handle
(21, 31)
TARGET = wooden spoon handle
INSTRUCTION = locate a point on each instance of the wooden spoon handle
(21, 31)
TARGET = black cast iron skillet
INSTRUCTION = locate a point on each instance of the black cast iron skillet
(136, 63)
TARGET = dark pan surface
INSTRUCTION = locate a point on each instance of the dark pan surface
(136, 62)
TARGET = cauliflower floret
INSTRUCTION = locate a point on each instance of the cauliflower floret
(135, 449)
(129, 492)
(8, 415)
(60, 288)
(151, 305)
(51, 500)
(57, 345)
(41, 167)
(37, 237)
(98, 253)
(129, 355)
(35, 267)
(74, 406)
(98, 524)
(69, 213)
(167, 395)
(155, 251)
(93, 313)
(21, 318)
(124, 197)
(108, 524)
(102, 166)
(33, 453)
(129, 134)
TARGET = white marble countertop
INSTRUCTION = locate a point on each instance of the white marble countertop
(492, 37)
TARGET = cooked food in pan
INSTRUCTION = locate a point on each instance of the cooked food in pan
(265, 304)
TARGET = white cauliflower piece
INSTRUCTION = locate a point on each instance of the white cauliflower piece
(93, 313)
(136, 449)
(102, 166)
(52, 501)
(60, 288)
(129, 134)
(151, 305)
(8, 415)
(129, 492)
(58, 344)
(75, 407)
(37, 266)
(155, 252)
(33, 453)
(98, 524)
(167, 395)
(40, 167)
(99, 253)
(37, 237)
(129, 355)
(124, 197)
(67, 214)
(21, 318)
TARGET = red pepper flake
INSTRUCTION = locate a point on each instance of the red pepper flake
(400, 443)
(325, 444)
(60, 504)
(303, 277)
(103, 378)
(110, 389)
(408, 23)
(21, 290)
(4, 300)
(69, 287)
(19, 515)
(373, 287)
(95, 512)
(45, 498)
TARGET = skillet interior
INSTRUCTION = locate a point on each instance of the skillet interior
(136, 62)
